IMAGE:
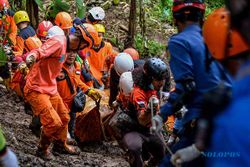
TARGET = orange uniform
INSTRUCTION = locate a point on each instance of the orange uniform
(50, 58)
(74, 73)
(24, 46)
(97, 59)
(41, 90)
(139, 99)
(9, 27)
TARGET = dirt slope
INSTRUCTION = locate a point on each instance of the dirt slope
(15, 124)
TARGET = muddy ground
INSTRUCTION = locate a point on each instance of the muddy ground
(15, 124)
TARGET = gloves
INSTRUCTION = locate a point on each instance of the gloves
(171, 140)
(185, 155)
(30, 59)
(93, 94)
(9, 159)
(181, 113)
(22, 67)
(157, 123)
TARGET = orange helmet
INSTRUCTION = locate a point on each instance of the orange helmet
(90, 34)
(4, 4)
(133, 53)
(43, 28)
(221, 40)
(63, 20)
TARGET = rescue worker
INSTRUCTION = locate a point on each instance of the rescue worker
(120, 106)
(96, 57)
(41, 88)
(147, 83)
(193, 71)
(26, 41)
(230, 53)
(26, 38)
(230, 48)
(8, 32)
(94, 16)
(64, 21)
(7, 23)
(42, 30)
(72, 70)
(126, 86)
(122, 63)
(7, 157)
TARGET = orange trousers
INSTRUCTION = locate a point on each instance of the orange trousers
(53, 114)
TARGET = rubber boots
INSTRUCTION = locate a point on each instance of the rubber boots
(43, 148)
(63, 148)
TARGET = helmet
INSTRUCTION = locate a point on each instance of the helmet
(220, 39)
(239, 14)
(32, 43)
(123, 63)
(21, 16)
(126, 83)
(156, 69)
(55, 30)
(97, 13)
(99, 28)
(90, 34)
(43, 28)
(180, 4)
(63, 20)
(4, 4)
(133, 53)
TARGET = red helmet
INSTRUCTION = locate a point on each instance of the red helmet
(43, 28)
(3, 4)
(180, 4)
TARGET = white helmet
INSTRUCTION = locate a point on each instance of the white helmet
(126, 83)
(98, 13)
(123, 63)
(55, 30)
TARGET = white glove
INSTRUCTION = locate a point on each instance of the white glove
(185, 155)
(9, 159)
(158, 123)
(30, 59)
(171, 140)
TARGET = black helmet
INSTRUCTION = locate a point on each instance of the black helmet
(155, 68)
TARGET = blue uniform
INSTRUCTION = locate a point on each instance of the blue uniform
(188, 63)
(231, 136)
(195, 75)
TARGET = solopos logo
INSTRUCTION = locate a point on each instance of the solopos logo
(221, 154)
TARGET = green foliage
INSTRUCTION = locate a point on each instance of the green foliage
(40, 4)
(213, 4)
(148, 47)
(81, 8)
(55, 7)
(166, 8)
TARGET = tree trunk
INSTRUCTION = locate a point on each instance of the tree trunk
(132, 25)
(32, 10)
